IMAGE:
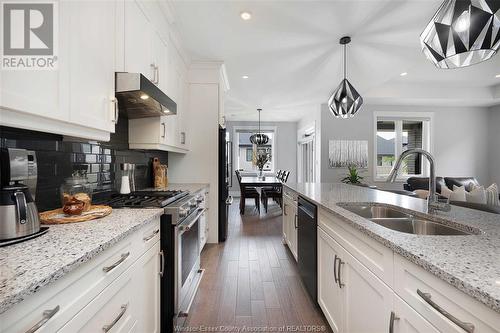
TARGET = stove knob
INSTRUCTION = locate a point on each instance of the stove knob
(183, 213)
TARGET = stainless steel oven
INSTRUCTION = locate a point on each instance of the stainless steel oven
(187, 261)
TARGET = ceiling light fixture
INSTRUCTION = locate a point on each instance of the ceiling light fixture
(259, 138)
(345, 101)
(403, 74)
(462, 33)
(246, 16)
(144, 96)
(244, 77)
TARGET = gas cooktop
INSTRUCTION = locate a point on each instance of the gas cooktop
(145, 199)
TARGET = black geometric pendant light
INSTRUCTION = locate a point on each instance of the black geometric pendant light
(462, 33)
(259, 138)
(345, 100)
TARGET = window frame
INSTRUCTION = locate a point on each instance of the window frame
(264, 129)
(398, 117)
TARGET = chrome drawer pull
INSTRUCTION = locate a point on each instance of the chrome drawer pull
(106, 328)
(151, 236)
(335, 269)
(162, 263)
(47, 314)
(391, 321)
(468, 327)
(339, 273)
(122, 259)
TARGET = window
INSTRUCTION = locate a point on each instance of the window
(395, 134)
(247, 150)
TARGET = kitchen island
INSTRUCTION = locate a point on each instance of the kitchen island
(469, 263)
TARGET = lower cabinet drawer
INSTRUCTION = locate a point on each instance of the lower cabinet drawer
(372, 254)
(444, 306)
(112, 310)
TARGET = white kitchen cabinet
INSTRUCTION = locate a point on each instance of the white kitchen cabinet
(92, 63)
(329, 294)
(347, 290)
(407, 320)
(139, 35)
(77, 98)
(146, 281)
(290, 223)
(91, 296)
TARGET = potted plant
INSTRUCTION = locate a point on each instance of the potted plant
(353, 177)
(260, 158)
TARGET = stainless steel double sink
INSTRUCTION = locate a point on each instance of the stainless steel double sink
(399, 221)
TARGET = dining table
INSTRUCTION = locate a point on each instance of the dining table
(260, 182)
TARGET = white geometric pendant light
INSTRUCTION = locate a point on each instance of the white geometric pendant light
(462, 33)
(345, 101)
(259, 138)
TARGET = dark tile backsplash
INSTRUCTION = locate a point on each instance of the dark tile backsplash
(58, 157)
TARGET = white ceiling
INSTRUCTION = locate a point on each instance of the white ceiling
(290, 51)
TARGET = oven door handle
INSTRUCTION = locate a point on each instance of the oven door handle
(187, 226)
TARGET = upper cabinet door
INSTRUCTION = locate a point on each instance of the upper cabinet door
(161, 63)
(138, 42)
(38, 92)
(92, 63)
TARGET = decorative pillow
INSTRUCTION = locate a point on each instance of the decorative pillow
(458, 193)
(422, 194)
(492, 195)
(476, 195)
(446, 192)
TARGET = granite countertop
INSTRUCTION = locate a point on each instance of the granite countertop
(30, 265)
(470, 263)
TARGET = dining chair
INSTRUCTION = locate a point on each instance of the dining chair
(247, 192)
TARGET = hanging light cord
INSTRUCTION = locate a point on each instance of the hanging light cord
(345, 61)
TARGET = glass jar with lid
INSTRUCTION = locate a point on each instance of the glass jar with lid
(77, 188)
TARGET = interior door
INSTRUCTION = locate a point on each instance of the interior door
(330, 297)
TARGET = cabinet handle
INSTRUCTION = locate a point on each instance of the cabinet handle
(106, 328)
(296, 221)
(183, 138)
(391, 321)
(153, 67)
(335, 269)
(468, 327)
(340, 273)
(162, 263)
(116, 264)
(151, 236)
(117, 113)
(157, 69)
(164, 130)
(284, 209)
(46, 315)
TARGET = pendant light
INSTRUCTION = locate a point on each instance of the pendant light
(259, 138)
(462, 33)
(345, 100)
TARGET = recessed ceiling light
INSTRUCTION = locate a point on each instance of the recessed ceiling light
(403, 74)
(244, 77)
(497, 76)
(246, 16)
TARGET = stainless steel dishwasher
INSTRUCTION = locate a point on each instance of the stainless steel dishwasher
(307, 246)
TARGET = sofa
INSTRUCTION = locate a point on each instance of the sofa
(422, 183)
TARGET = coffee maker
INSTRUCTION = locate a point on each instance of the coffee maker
(18, 178)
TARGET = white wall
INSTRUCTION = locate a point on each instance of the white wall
(460, 140)
(285, 149)
(494, 144)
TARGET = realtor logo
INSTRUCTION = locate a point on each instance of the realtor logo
(29, 36)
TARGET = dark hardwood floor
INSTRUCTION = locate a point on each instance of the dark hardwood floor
(252, 280)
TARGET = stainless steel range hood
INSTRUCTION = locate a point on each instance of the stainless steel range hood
(140, 98)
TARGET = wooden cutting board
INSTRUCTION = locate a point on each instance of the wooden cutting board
(57, 216)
